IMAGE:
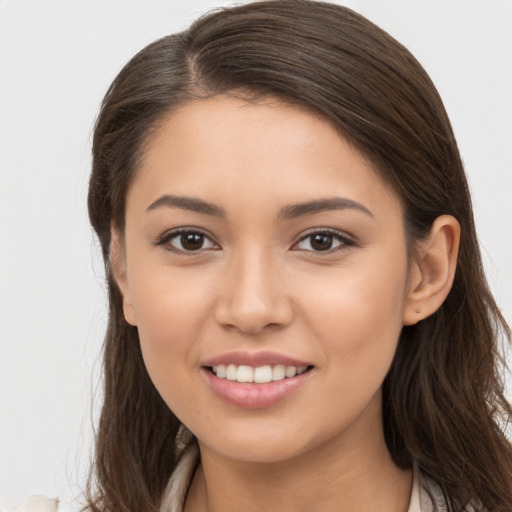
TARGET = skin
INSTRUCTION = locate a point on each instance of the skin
(257, 283)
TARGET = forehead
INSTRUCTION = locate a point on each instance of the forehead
(226, 149)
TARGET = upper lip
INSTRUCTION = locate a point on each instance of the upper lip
(254, 359)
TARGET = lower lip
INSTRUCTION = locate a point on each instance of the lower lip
(255, 396)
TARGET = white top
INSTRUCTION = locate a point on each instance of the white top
(37, 504)
(426, 495)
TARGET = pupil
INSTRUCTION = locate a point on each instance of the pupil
(192, 241)
(321, 242)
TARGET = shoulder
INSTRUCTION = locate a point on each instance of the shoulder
(37, 504)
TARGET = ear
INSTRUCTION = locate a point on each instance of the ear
(119, 273)
(433, 270)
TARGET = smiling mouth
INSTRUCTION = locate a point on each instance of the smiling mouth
(259, 374)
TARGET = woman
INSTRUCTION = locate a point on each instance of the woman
(298, 314)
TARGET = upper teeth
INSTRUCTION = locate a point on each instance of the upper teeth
(260, 374)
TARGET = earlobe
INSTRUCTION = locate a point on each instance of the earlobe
(433, 270)
(119, 273)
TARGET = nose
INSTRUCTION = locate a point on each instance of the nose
(253, 296)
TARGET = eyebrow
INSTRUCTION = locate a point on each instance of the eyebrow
(321, 205)
(187, 203)
(291, 211)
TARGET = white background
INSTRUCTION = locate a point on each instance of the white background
(57, 59)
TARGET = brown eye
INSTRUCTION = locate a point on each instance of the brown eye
(186, 241)
(192, 241)
(323, 241)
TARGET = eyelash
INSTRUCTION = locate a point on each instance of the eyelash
(164, 240)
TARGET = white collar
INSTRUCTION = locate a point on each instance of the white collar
(414, 504)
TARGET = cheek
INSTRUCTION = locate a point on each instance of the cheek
(358, 314)
(356, 324)
(166, 299)
(172, 310)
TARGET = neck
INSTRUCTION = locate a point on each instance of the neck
(343, 475)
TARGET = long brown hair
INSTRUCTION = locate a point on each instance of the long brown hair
(443, 397)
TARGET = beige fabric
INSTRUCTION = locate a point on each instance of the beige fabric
(176, 490)
(38, 504)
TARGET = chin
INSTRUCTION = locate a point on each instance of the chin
(257, 442)
(261, 452)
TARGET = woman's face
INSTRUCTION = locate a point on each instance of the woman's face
(260, 245)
